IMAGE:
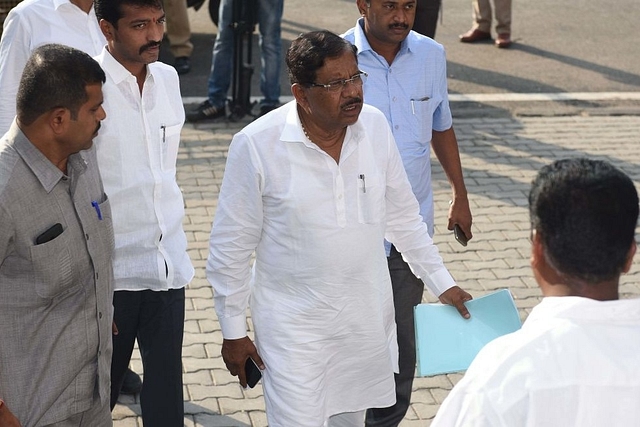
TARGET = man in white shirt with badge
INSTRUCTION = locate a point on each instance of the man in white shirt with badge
(137, 154)
(575, 360)
(33, 23)
(313, 188)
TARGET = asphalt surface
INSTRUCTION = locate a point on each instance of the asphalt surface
(560, 47)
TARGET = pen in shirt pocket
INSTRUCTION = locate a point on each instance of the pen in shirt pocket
(413, 101)
(96, 206)
(164, 133)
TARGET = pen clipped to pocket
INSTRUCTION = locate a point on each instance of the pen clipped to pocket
(414, 101)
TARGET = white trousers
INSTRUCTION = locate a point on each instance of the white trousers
(347, 419)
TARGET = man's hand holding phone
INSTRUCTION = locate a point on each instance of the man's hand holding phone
(459, 235)
(238, 356)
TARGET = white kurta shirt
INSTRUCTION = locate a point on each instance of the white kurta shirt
(31, 24)
(137, 153)
(574, 363)
(321, 302)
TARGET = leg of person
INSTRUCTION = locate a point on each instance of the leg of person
(503, 22)
(160, 340)
(179, 33)
(346, 419)
(221, 68)
(407, 293)
(482, 15)
(131, 384)
(126, 308)
(426, 17)
(481, 29)
(269, 22)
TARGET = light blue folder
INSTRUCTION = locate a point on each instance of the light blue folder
(446, 342)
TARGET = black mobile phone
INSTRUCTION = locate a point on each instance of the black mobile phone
(52, 232)
(252, 372)
(459, 235)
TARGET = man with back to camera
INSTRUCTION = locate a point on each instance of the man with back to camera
(313, 188)
(575, 360)
(137, 153)
(56, 247)
(408, 83)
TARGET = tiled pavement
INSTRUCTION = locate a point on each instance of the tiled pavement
(499, 156)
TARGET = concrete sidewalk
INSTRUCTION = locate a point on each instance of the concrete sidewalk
(500, 157)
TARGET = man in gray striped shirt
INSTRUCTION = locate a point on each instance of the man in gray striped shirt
(56, 247)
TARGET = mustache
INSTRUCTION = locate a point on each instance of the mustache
(149, 46)
(352, 101)
(399, 25)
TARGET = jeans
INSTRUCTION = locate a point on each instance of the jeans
(269, 22)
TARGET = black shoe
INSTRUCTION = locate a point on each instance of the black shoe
(132, 383)
(264, 109)
(205, 111)
(182, 65)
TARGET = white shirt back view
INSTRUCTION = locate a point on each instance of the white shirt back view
(575, 362)
(33, 23)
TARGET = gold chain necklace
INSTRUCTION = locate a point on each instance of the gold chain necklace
(304, 129)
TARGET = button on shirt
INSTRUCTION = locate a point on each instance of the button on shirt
(412, 94)
(137, 153)
(56, 296)
(31, 24)
(575, 362)
(321, 303)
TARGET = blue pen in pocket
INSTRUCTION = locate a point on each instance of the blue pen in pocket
(96, 206)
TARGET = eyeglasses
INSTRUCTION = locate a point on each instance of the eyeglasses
(338, 85)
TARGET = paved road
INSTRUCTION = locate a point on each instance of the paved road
(578, 46)
(500, 157)
(573, 47)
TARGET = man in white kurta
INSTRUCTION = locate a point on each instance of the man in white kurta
(321, 298)
(575, 362)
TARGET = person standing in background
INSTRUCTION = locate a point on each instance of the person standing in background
(179, 34)
(137, 154)
(408, 83)
(269, 14)
(481, 29)
(426, 21)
